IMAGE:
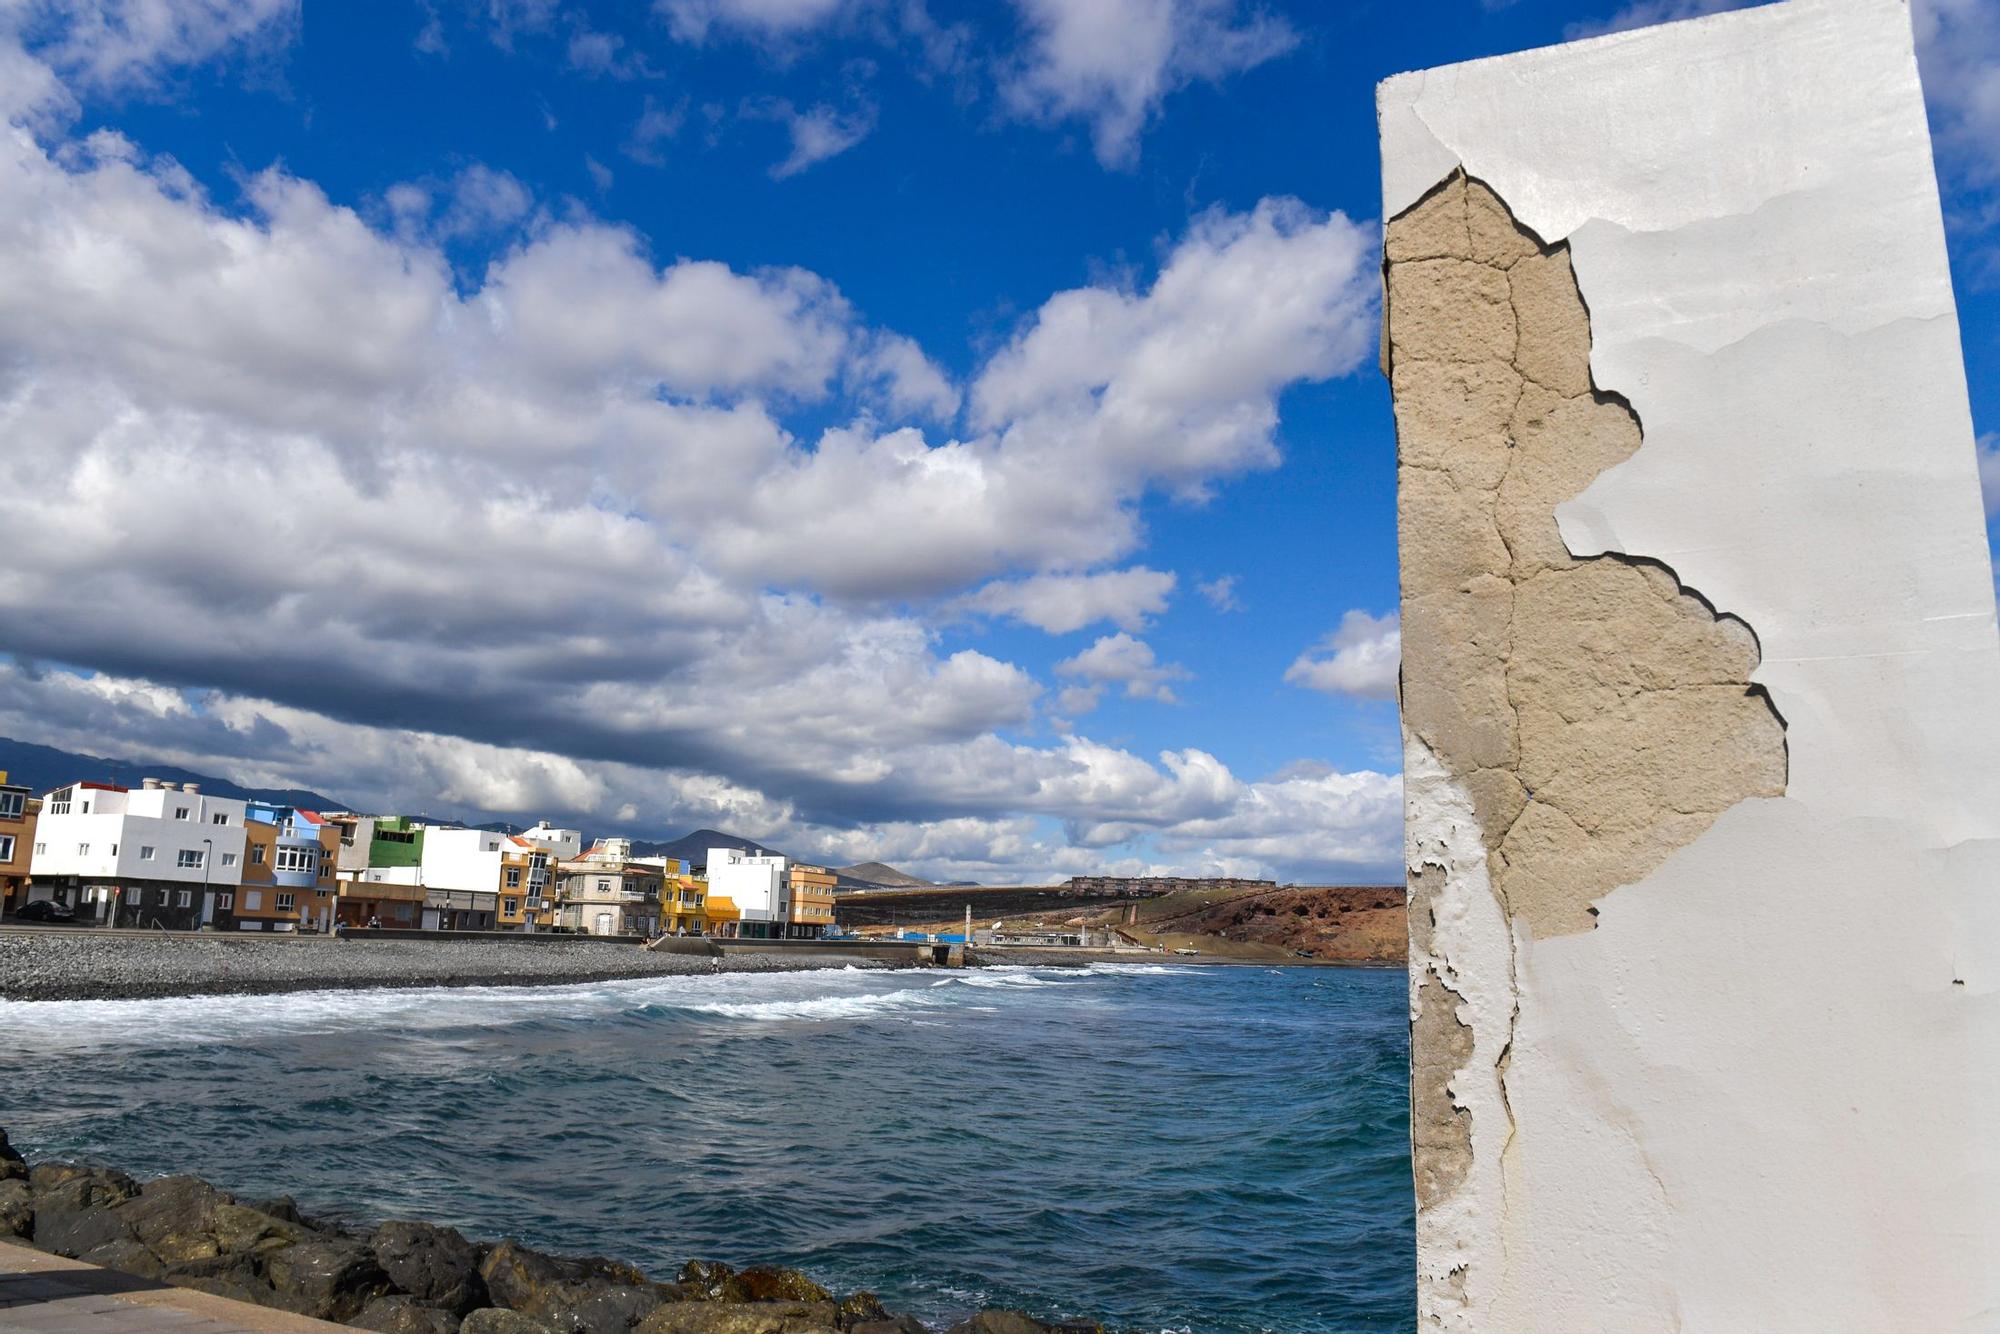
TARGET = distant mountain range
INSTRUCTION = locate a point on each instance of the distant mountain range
(45, 768)
(876, 873)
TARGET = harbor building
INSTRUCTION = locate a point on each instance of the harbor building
(683, 902)
(560, 844)
(289, 866)
(159, 856)
(758, 885)
(606, 892)
(525, 884)
(812, 902)
(19, 808)
(462, 876)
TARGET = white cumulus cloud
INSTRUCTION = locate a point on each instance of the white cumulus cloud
(1361, 657)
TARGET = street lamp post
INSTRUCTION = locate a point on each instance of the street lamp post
(208, 851)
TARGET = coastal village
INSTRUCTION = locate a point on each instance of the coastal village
(171, 856)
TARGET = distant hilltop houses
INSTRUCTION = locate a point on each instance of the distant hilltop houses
(169, 856)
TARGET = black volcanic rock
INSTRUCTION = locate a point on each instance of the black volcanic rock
(434, 1264)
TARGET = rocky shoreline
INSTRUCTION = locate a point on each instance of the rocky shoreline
(415, 1278)
(71, 966)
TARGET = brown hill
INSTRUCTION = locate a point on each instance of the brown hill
(1352, 923)
(877, 873)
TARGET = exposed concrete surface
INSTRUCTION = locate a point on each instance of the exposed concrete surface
(39, 1291)
(1751, 1090)
(1599, 715)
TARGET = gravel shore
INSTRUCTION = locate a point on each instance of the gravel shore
(36, 966)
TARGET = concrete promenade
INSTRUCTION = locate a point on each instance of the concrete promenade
(51, 1295)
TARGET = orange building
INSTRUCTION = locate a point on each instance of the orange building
(526, 903)
(18, 809)
(812, 901)
(290, 858)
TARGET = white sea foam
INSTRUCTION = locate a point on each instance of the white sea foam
(830, 995)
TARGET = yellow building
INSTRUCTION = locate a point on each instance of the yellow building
(526, 903)
(18, 809)
(812, 901)
(683, 906)
(290, 860)
(719, 913)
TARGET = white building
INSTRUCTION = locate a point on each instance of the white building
(161, 855)
(759, 884)
(461, 878)
(560, 844)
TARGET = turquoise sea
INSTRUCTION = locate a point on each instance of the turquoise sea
(1178, 1148)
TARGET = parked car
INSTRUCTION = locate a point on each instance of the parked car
(42, 910)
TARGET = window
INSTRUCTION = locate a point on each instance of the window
(41, 849)
(114, 849)
(229, 859)
(184, 898)
(513, 878)
(603, 883)
(132, 895)
(12, 804)
(285, 902)
(180, 812)
(256, 854)
(86, 808)
(297, 861)
(6, 847)
(225, 901)
(221, 817)
(253, 899)
(508, 907)
(145, 852)
(165, 894)
(83, 849)
(189, 859)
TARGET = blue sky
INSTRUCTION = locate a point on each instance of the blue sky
(946, 434)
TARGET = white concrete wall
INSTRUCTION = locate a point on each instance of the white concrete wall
(1760, 1093)
(760, 887)
(562, 844)
(133, 821)
(462, 859)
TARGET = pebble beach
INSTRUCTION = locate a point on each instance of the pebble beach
(64, 965)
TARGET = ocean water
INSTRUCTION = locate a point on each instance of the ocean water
(1161, 1148)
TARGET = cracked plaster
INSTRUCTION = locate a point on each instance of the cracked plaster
(1751, 1090)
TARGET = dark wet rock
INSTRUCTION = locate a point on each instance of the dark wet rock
(75, 1207)
(233, 1276)
(768, 1283)
(993, 1320)
(285, 1209)
(575, 1295)
(17, 1207)
(863, 1306)
(404, 1315)
(497, 1320)
(184, 1220)
(705, 1280)
(13, 1167)
(710, 1317)
(434, 1264)
(127, 1256)
(410, 1278)
(328, 1279)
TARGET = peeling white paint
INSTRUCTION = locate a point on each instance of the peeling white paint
(1471, 953)
(1760, 1094)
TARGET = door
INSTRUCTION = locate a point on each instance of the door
(604, 924)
